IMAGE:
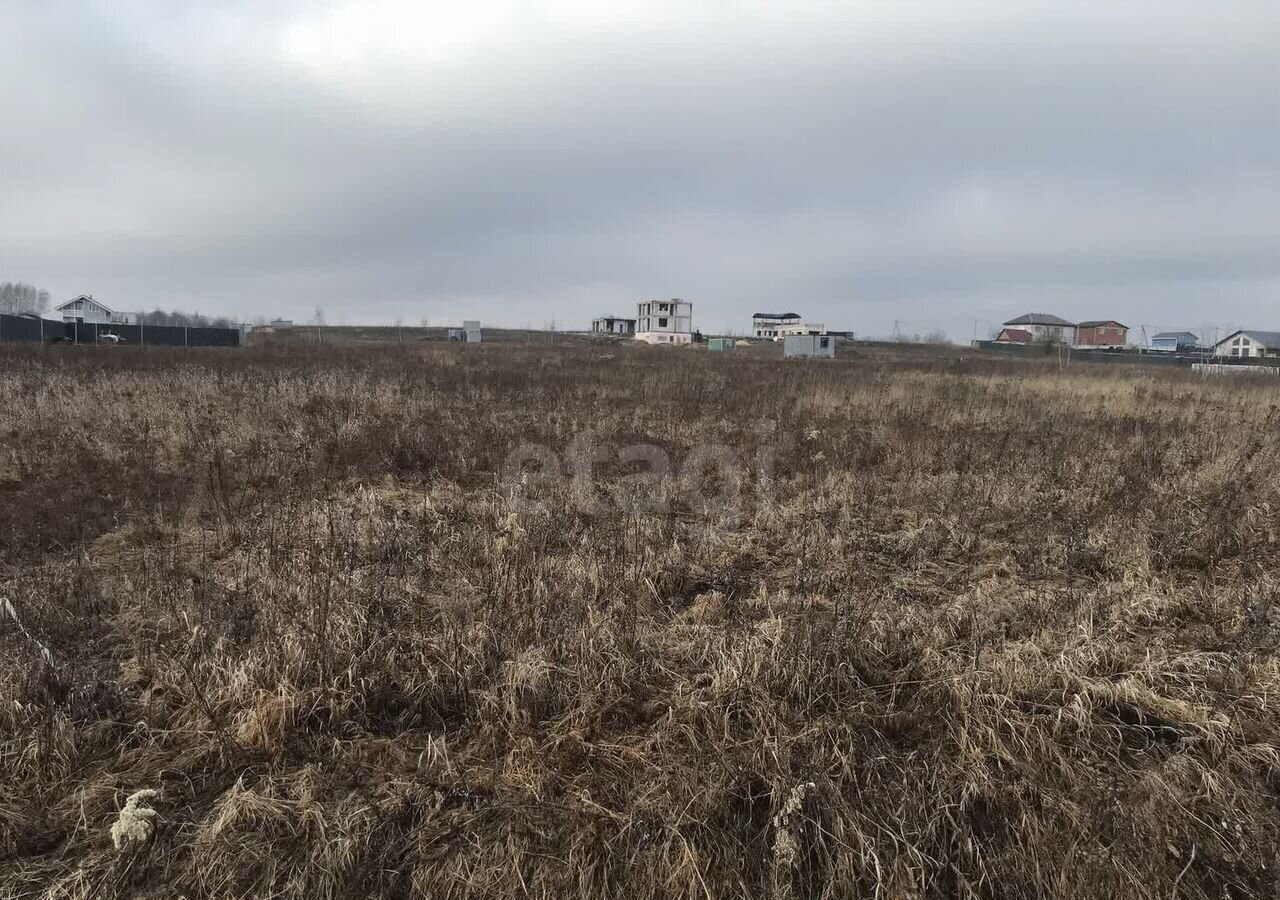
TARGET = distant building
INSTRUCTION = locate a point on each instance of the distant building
(770, 325)
(469, 333)
(281, 323)
(809, 345)
(1013, 336)
(719, 345)
(1175, 341)
(1102, 333)
(611, 324)
(776, 326)
(664, 321)
(84, 310)
(1045, 328)
(1249, 343)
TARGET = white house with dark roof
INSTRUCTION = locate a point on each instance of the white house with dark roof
(1045, 328)
(87, 311)
(768, 325)
(1248, 342)
(777, 326)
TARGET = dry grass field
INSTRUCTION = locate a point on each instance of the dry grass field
(896, 626)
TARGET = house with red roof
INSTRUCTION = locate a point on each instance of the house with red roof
(1013, 336)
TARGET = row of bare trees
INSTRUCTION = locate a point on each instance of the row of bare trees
(19, 297)
(180, 319)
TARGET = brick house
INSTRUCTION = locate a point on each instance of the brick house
(1102, 333)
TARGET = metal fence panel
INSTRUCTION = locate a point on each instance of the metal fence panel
(146, 335)
(20, 328)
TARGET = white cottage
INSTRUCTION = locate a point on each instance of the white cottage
(85, 310)
(1045, 328)
(1249, 343)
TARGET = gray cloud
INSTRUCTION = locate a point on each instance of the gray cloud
(861, 162)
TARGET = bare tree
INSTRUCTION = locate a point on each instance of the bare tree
(20, 297)
(182, 319)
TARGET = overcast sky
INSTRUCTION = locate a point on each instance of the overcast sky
(940, 164)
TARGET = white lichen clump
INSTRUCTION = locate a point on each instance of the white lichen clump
(134, 821)
(512, 532)
(786, 848)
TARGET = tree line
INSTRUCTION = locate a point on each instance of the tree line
(18, 297)
(181, 319)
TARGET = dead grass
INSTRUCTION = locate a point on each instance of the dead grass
(999, 631)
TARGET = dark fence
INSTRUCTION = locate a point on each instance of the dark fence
(28, 328)
(1135, 356)
(1044, 350)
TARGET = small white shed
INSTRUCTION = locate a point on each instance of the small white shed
(800, 346)
(469, 333)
